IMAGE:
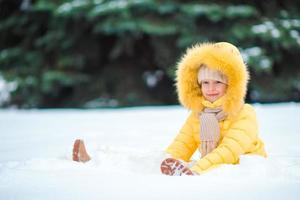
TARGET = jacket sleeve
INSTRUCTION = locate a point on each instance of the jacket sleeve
(240, 138)
(184, 144)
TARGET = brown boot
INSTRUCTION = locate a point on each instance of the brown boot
(173, 167)
(79, 152)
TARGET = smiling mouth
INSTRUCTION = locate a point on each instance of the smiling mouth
(212, 94)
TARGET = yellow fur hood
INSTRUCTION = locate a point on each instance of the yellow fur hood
(221, 56)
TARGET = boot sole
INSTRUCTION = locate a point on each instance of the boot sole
(173, 167)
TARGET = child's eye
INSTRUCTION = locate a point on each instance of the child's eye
(219, 82)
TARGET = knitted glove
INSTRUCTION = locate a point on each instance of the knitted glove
(207, 147)
(209, 129)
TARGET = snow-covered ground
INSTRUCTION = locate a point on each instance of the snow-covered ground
(127, 146)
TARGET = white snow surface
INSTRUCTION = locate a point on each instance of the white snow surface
(127, 147)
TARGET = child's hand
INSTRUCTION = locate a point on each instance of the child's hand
(207, 147)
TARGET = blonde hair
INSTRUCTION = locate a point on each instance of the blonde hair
(206, 73)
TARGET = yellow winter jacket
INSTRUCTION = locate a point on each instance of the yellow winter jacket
(239, 131)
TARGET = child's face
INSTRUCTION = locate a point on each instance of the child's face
(212, 89)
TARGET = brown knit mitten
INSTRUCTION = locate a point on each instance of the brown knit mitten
(209, 129)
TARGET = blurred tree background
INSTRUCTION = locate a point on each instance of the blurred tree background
(111, 53)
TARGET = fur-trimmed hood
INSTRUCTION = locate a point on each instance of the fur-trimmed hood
(221, 56)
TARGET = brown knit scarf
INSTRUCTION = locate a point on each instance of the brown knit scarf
(210, 129)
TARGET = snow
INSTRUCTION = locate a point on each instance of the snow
(127, 146)
(251, 52)
(295, 34)
(5, 89)
(267, 26)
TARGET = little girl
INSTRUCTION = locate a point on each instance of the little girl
(212, 82)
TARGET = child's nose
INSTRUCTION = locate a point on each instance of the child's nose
(211, 87)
